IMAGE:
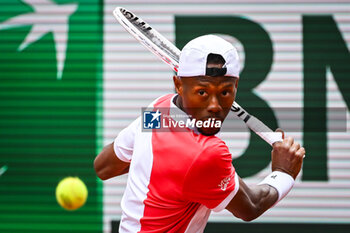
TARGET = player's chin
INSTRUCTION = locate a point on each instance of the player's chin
(209, 131)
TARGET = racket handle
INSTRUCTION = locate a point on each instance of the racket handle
(256, 125)
(263, 131)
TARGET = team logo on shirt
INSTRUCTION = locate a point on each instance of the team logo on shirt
(224, 182)
(152, 120)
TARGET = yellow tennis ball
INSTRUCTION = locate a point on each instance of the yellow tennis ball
(71, 193)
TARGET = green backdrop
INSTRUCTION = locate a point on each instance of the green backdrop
(48, 123)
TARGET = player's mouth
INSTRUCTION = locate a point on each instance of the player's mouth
(216, 118)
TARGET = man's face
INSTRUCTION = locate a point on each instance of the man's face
(204, 97)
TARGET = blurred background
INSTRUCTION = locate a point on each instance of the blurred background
(71, 78)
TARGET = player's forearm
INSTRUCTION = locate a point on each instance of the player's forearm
(251, 202)
(263, 197)
(107, 164)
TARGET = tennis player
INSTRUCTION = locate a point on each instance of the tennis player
(177, 178)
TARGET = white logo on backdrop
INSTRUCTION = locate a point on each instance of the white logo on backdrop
(47, 17)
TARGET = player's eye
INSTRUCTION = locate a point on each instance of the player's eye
(201, 92)
(225, 93)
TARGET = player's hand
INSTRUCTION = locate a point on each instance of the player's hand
(287, 156)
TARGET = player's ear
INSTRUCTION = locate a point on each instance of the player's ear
(236, 84)
(177, 84)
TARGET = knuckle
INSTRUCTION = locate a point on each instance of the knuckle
(285, 147)
(278, 146)
(292, 150)
(300, 152)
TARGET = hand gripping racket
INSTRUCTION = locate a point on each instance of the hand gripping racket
(170, 54)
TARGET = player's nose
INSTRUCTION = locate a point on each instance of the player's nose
(214, 105)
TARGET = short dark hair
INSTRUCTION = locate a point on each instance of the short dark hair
(214, 58)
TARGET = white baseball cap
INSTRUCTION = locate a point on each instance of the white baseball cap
(193, 57)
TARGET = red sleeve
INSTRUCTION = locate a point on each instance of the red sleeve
(211, 180)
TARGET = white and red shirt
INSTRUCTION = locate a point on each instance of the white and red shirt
(175, 178)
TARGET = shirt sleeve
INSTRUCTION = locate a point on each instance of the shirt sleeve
(124, 142)
(211, 180)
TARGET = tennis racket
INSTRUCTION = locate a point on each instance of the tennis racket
(170, 54)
